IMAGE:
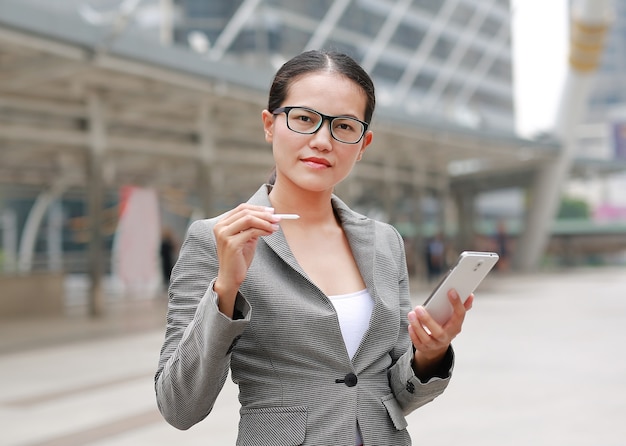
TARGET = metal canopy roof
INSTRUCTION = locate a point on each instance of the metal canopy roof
(157, 113)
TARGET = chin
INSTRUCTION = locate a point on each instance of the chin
(315, 185)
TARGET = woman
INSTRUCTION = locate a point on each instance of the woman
(312, 315)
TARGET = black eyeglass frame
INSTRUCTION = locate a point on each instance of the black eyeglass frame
(328, 118)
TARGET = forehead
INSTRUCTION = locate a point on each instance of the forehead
(328, 92)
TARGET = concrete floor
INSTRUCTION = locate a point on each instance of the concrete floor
(540, 361)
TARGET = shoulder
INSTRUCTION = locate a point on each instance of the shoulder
(203, 228)
(390, 236)
(352, 220)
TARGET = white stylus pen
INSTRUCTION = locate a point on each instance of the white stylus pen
(288, 216)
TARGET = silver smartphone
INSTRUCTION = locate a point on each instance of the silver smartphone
(465, 276)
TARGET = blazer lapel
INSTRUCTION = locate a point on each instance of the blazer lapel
(276, 241)
(360, 233)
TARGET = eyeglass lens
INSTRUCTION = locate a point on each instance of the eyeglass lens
(346, 130)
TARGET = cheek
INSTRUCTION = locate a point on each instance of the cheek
(282, 146)
(285, 139)
(279, 132)
(352, 155)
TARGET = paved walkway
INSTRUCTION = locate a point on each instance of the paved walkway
(541, 361)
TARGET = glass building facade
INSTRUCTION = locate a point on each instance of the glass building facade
(448, 59)
(610, 85)
(603, 133)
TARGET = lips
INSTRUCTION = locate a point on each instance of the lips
(318, 162)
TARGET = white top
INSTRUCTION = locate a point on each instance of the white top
(354, 311)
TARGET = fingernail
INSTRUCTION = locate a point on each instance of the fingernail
(421, 311)
(269, 209)
(412, 317)
(275, 227)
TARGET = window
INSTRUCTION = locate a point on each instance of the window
(442, 48)
(408, 36)
(431, 6)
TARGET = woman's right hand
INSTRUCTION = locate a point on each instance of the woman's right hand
(237, 234)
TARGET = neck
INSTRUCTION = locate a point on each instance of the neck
(310, 205)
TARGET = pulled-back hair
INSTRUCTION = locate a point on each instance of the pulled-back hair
(320, 60)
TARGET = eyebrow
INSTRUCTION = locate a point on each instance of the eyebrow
(344, 115)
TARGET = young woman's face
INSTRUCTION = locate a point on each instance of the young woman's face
(317, 162)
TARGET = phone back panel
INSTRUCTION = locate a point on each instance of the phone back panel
(470, 269)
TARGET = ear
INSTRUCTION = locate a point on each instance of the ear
(268, 125)
(367, 140)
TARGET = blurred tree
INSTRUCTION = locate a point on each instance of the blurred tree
(574, 208)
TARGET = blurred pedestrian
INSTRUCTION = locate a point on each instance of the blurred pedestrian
(167, 252)
(312, 315)
(502, 246)
(435, 257)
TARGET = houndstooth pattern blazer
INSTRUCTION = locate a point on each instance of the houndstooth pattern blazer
(297, 384)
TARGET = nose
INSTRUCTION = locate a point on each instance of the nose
(322, 138)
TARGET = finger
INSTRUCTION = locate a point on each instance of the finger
(469, 303)
(457, 305)
(245, 209)
(253, 233)
(423, 324)
(415, 338)
(419, 337)
(261, 222)
(454, 325)
(423, 340)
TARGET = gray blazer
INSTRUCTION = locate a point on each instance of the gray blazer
(297, 384)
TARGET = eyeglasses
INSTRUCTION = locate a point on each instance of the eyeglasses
(308, 121)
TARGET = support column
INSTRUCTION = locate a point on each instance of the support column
(417, 218)
(207, 156)
(391, 201)
(390, 191)
(55, 237)
(442, 211)
(444, 218)
(33, 224)
(587, 38)
(466, 217)
(167, 22)
(95, 201)
(9, 240)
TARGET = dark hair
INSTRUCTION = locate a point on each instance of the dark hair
(320, 60)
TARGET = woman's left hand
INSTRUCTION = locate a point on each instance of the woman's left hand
(431, 340)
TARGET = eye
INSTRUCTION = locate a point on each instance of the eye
(346, 125)
(304, 116)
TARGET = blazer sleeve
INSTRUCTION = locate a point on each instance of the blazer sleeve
(195, 356)
(410, 392)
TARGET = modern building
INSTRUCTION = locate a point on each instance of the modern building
(603, 133)
(609, 91)
(449, 59)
